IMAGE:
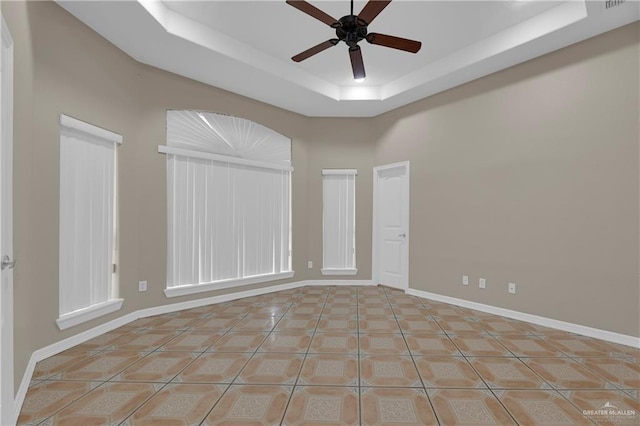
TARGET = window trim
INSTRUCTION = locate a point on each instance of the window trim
(184, 290)
(86, 314)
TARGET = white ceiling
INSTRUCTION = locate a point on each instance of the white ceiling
(245, 46)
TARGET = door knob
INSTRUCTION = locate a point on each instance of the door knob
(6, 262)
(403, 235)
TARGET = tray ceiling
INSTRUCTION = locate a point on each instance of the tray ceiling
(245, 46)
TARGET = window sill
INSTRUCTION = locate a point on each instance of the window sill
(184, 290)
(350, 271)
(86, 314)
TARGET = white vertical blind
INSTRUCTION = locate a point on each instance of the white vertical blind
(226, 221)
(87, 214)
(338, 219)
(229, 204)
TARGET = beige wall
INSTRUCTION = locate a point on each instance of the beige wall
(531, 175)
(61, 66)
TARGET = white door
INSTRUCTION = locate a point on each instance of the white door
(6, 228)
(391, 225)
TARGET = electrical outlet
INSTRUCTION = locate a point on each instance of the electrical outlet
(465, 280)
(482, 283)
(310, 264)
(142, 286)
(512, 288)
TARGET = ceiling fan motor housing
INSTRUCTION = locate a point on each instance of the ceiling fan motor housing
(351, 30)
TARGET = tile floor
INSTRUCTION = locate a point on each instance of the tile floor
(336, 355)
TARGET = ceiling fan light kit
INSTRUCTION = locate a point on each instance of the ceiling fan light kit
(351, 29)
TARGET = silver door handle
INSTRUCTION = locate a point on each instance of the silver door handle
(403, 235)
(6, 262)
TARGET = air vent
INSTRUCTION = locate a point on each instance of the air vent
(613, 3)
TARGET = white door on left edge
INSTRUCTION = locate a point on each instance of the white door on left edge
(6, 228)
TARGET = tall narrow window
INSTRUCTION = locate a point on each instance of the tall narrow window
(87, 222)
(229, 202)
(339, 222)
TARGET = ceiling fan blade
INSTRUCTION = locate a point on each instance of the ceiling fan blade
(372, 9)
(356, 62)
(314, 12)
(315, 49)
(394, 42)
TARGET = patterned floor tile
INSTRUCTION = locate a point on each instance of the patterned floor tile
(175, 322)
(104, 340)
(185, 404)
(431, 344)
(479, 345)
(388, 371)
(108, 404)
(414, 311)
(192, 341)
(499, 325)
(418, 325)
(377, 324)
(255, 323)
(566, 373)
(468, 407)
(271, 369)
(146, 341)
(396, 406)
(297, 323)
(328, 341)
(247, 341)
(274, 310)
(507, 373)
(47, 398)
(383, 344)
(447, 372)
(459, 325)
(249, 405)
(56, 363)
(329, 370)
(329, 323)
(541, 407)
(606, 407)
(319, 405)
(580, 346)
(334, 342)
(156, 367)
(213, 367)
(375, 311)
(217, 323)
(101, 366)
(286, 341)
(529, 346)
(618, 371)
(305, 309)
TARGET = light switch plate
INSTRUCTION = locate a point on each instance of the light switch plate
(142, 286)
(512, 288)
(482, 283)
(310, 264)
(465, 280)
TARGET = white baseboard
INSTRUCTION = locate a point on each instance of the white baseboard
(68, 343)
(608, 336)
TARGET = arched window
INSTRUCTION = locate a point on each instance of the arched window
(229, 202)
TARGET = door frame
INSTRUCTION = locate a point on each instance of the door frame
(7, 398)
(375, 263)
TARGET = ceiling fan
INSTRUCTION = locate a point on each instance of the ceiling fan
(352, 29)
